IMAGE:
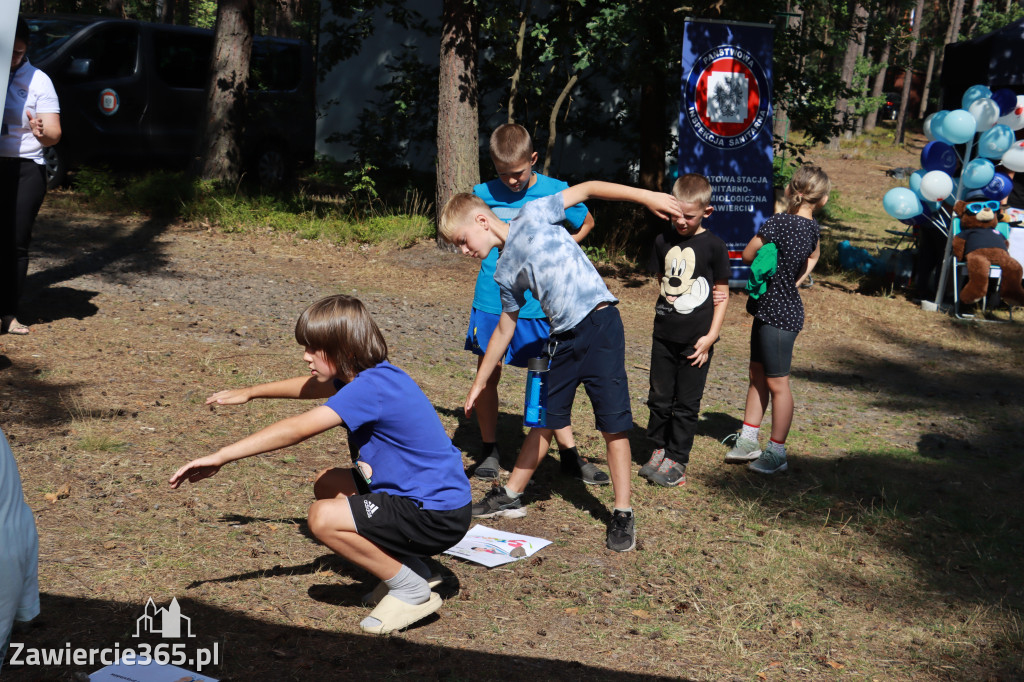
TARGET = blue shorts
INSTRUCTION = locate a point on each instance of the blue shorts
(772, 347)
(592, 353)
(529, 341)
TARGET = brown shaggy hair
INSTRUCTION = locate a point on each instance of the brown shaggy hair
(343, 329)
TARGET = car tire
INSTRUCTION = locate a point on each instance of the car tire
(56, 167)
(273, 167)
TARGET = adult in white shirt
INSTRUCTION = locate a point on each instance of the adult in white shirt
(31, 121)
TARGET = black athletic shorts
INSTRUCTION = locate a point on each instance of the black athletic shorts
(400, 526)
(772, 347)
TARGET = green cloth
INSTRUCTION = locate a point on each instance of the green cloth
(761, 270)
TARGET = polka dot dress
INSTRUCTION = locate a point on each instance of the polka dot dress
(795, 238)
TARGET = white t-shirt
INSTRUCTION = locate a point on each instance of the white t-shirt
(29, 88)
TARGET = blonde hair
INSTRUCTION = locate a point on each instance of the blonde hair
(692, 188)
(455, 212)
(809, 185)
(343, 329)
(511, 143)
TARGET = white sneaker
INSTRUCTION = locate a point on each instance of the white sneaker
(743, 449)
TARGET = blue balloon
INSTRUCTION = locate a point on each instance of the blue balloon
(998, 188)
(958, 126)
(973, 93)
(994, 142)
(1006, 99)
(978, 173)
(901, 203)
(936, 126)
(915, 181)
(938, 156)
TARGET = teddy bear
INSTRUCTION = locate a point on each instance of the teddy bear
(980, 245)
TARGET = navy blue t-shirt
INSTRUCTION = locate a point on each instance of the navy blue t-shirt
(397, 432)
(796, 238)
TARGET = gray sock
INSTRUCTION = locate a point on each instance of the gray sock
(514, 496)
(416, 565)
(407, 586)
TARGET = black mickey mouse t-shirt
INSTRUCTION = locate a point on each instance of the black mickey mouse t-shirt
(689, 266)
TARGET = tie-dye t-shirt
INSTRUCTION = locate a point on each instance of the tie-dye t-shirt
(541, 257)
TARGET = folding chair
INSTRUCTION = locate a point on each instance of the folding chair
(959, 271)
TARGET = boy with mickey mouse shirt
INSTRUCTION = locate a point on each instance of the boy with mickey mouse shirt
(693, 265)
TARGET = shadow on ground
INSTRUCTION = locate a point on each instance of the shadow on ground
(251, 649)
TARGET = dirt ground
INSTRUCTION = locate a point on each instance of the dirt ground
(892, 550)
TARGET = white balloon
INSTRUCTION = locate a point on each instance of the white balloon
(1015, 119)
(936, 186)
(1014, 157)
(985, 111)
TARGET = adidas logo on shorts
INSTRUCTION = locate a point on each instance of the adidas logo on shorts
(370, 508)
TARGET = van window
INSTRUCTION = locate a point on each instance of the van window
(275, 66)
(49, 34)
(112, 51)
(182, 59)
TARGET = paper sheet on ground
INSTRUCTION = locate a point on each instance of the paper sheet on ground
(492, 547)
(153, 672)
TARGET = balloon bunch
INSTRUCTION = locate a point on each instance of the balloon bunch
(995, 115)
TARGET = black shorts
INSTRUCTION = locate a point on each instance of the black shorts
(592, 353)
(398, 524)
(772, 347)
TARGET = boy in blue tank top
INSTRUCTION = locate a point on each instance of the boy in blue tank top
(517, 184)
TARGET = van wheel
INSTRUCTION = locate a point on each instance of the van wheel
(56, 167)
(273, 167)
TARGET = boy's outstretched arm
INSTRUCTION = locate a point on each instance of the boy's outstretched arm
(702, 346)
(496, 348)
(660, 204)
(297, 387)
(274, 437)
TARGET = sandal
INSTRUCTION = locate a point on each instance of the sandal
(373, 598)
(395, 614)
(11, 325)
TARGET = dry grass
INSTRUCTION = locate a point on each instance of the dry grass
(891, 551)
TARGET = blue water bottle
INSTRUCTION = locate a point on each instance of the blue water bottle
(535, 410)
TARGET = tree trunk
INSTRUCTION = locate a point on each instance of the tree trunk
(653, 102)
(458, 147)
(553, 121)
(871, 120)
(927, 83)
(956, 14)
(283, 21)
(221, 149)
(185, 12)
(908, 73)
(858, 25)
(517, 73)
(167, 12)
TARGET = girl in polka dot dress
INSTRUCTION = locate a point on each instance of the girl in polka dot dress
(778, 318)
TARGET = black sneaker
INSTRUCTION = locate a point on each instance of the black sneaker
(621, 532)
(496, 504)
